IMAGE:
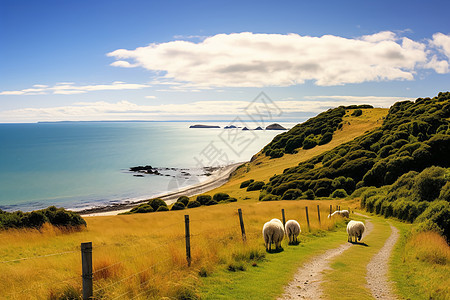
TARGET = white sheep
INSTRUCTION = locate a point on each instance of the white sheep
(292, 229)
(343, 213)
(273, 233)
(355, 229)
(277, 221)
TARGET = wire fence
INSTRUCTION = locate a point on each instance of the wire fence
(38, 256)
(95, 274)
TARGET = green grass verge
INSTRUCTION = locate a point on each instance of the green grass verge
(416, 279)
(347, 277)
(268, 278)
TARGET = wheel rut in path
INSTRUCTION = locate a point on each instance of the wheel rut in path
(378, 267)
(307, 280)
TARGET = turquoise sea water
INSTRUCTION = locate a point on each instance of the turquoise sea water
(79, 165)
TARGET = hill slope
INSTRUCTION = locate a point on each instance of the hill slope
(262, 167)
(413, 137)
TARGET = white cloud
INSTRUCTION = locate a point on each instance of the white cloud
(442, 42)
(440, 66)
(255, 60)
(123, 64)
(125, 110)
(69, 88)
(150, 97)
(380, 36)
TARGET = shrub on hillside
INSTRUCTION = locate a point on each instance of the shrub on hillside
(246, 183)
(309, 143)
(275, 153)
(35, 219)
(309, 195)
(193, 204)
(183, 199)
(211, 202)
(142, 208)
(292, 194)
(220, 196)
(339, 193)
(255, 186)
(357, 113)
(156, 203)
(428, 184)
(270, 197)
(326, 138)
(178, 206)
(439, 213)
(162, 208)
(203, 199)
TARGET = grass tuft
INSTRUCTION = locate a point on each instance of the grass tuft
(429, 247)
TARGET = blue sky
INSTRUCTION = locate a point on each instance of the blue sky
(180, 60)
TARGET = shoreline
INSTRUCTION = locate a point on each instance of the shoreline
(217, 179)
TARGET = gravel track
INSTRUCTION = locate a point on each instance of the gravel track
(377, 269)
(307, 280)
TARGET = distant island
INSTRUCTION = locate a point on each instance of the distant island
(275, 126)
(204, 126)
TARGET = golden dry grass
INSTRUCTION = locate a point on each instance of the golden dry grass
(429, 247)
(420, 265)
(145, 253)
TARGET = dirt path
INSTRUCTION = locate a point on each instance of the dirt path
(377, 269)
(307, 280)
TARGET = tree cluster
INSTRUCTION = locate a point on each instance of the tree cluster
(35, 219)
(414, 136)
(316, 131)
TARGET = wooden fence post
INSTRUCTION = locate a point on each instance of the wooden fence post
(188, 240)
(307, 217)
(284, 219)
(86, 270)
(318, 212)
(241, 220)
(331, 208)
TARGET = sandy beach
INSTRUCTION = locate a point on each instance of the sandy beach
(217, 178)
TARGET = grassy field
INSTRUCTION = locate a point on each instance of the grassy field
(421, 265)
(145, 253)
(347, 277)
(266, 280)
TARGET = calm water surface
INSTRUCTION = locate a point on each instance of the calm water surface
(79, 165)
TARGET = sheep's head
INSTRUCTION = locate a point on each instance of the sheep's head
(359, 236)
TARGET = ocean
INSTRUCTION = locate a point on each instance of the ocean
(79, 165)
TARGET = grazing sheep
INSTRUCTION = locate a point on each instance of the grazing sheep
(343, 213)
(292, 229)
(277, 221)
(355, 229)
(273, 233)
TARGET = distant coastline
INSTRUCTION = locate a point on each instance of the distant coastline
(219, 177)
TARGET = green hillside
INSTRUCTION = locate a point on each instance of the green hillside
(415, 136)
(315, 131)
